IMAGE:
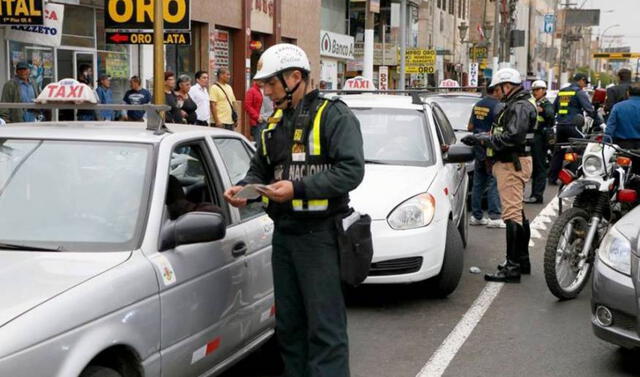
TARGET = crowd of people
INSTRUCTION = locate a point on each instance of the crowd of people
(192, 101)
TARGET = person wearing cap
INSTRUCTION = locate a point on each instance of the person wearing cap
(483, 116)
(311, 156)
(507, 146)
(571, 103)
(105, 96)
(618, 92)
(20, 89)
(546, 120)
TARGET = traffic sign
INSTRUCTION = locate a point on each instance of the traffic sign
(418, 60)
(146, 38)
(549, 23)
(138, 14)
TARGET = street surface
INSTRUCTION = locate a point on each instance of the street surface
(395, 330)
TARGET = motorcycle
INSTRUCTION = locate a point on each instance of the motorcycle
(602, 191)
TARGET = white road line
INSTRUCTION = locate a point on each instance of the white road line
(440, 360)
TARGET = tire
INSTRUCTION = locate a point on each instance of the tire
(561, 291)
(99, 371)
(447, 280)
(463, 226)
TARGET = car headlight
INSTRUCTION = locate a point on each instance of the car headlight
(592, 165)
(615, 251)
(415, 212)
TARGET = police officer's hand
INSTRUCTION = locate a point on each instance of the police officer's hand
(280, 191)
(229, 197)
(470, 140)
(483, 139)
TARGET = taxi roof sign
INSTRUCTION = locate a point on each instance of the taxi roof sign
(359, 83)
(67, 90)
(449, 83)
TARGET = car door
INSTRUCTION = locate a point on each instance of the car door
(201, 283)
(236, 155)
(455, 173)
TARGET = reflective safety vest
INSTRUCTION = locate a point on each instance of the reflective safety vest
(295, 159)
(498, 129)
(564, 98)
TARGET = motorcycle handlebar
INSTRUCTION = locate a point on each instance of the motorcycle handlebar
(629, 152)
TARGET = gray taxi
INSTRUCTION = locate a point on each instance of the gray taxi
(119, 256)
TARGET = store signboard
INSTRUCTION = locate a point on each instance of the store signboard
(219, 50)
(21, 12)
(146, 38)
(138, 14)
(383, 77)
(49, 34)
(474, 69)
(336, 45)
(383, 54)
(419, 60)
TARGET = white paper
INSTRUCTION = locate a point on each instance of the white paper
(250, 192)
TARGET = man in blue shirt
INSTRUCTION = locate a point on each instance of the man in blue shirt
(482, 117)
(623, 125)
(105, 95)
(137, 95)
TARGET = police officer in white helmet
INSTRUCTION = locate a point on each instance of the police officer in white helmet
(546, 120)
(310, 156)
(507, 146)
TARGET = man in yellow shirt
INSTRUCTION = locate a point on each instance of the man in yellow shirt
(223, 101)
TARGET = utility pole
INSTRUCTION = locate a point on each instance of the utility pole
(506, 10)
(565, 45)
(403, 42)
(158, 53)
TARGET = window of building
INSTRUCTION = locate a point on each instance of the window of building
(79, 27)
(452, 4)
(39, 58)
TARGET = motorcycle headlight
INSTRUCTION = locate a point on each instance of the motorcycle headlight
(415, 212)
(615, 251)
(592, 165)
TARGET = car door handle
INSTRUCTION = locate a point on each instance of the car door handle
(239, 249)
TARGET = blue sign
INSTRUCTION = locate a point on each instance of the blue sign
(549, 23)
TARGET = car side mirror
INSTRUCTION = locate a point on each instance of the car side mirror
(458, 153)
(192, 227)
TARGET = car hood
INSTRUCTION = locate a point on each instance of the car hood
(30, 278)
(386, 186)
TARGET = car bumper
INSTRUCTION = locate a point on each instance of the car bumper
(406, 256)
(616, 292)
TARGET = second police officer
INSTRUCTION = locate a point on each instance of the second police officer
(507, 146)
(311, 156)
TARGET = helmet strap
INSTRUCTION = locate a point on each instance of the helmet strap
(288, 97)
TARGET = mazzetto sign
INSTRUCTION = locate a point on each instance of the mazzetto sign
(336, 45)
(21, 12)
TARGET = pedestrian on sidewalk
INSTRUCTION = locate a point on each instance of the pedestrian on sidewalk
(507, 147)
(482, 117)
(85, 76)
(20, 89)
(252, 106)
(175, 114)
(105, 97)
(137, 95)
(199, 93)
(546, 120)
(223, 101)
(184, 102)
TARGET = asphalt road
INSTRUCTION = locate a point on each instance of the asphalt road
(526, 331)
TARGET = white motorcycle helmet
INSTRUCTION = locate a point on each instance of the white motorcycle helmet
(279, 58)
(506, 75)
(539, 84)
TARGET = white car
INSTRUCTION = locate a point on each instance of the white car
(414, 189)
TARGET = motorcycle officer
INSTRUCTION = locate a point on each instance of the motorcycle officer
(311, 155)
(571, 101)
(546, 120)
(507, 146)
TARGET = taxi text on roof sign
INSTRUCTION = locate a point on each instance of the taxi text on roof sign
(21, 12)
(138, 14)
(359, 83)
(146, 38)
(67, 90)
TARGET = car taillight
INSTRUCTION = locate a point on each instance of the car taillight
(566, 176)
(623, 161)
(571, 157)
(627, 196)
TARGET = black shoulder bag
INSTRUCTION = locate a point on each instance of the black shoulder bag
(234, 115)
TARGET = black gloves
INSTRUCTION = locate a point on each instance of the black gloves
(482, 139)
(470, 140)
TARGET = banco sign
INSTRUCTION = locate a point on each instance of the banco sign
(336, 45)
(138, 14)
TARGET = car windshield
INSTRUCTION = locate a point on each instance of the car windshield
(457, 109)
(395, 136)
(73, 195)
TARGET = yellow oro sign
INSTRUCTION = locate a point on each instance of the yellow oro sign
(138, 14)
(419, 60)
(21, 12)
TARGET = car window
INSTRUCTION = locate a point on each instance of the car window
(190, 186)
(237, 159)
(76, 195)
(444, 126)
(395, 136)
(457, 110)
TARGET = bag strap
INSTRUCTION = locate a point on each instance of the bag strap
(225, 94)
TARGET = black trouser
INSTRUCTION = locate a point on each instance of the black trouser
(540, 165)
(630, 144)
(201, 123)
(563, 133)
(311, 318)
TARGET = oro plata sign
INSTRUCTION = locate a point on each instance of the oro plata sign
(21, 12)
(146, 38)
(138, 14)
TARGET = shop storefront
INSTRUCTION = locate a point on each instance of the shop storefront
(336, 50)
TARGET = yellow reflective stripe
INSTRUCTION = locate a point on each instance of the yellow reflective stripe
(311, 205)
(564, 103)
(568, 93)
(314, 138)
(563, 111)
(265, 200)
(273, 122)
(540, 118)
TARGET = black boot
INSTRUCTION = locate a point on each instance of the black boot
(510, 273)
(524, 235)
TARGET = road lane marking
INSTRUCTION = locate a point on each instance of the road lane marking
(440, 360)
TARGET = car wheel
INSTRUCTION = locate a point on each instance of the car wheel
(99, 371)
(447, 280)
(463, 226)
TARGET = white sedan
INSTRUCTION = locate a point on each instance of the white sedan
(414, 190)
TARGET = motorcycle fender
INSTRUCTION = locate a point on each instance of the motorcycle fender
(576, 187)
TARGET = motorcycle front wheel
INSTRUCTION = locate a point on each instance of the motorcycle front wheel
(565, 270)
